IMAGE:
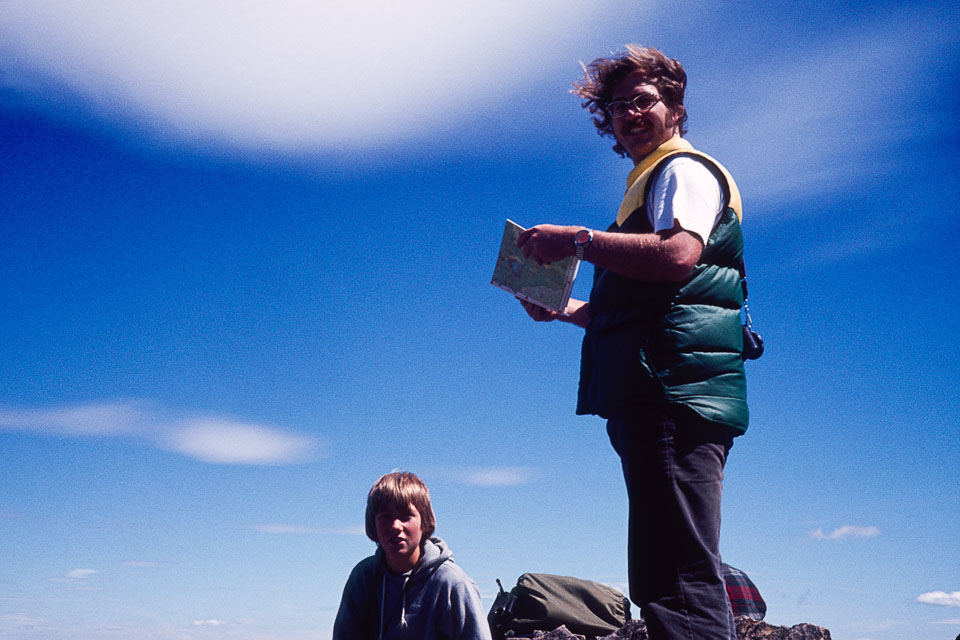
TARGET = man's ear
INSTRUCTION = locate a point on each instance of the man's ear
(676, 115)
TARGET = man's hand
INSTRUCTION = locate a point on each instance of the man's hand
(577, 312)
(548, 243)
(538, 313)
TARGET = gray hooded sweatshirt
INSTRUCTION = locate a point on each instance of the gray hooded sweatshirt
(436, 600)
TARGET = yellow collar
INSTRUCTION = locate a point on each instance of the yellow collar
(638, 177)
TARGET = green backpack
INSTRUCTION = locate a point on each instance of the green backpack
(543, 602)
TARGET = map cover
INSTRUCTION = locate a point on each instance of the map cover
(547, 285)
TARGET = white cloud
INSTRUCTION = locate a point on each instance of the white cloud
(947, 621)
(292, 73)
(208, 623)
(88, 419)
(495, 476)
(281, 528)
(207, 438)
(846, 531)
(940, 598)
(227, 442)
(80, 574)
(74, 576)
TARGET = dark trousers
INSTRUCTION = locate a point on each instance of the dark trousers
(673, 466)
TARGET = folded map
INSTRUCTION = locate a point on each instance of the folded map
(547, 285)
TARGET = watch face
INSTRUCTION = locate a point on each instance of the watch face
(582, 237)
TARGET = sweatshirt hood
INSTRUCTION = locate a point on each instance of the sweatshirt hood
(434, 553)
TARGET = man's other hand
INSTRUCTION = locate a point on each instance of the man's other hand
(538, 313)
(577, 312)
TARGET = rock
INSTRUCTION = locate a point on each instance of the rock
(560, 633)
(747, 629)
(750, 629)
(633, 630)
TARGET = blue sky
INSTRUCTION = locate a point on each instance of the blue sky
(246, 261)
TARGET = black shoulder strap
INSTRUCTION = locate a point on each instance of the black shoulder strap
(743, 279)
(752, 342)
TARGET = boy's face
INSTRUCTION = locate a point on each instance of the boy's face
(399, 532)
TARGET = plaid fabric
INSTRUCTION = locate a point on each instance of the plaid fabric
(744, 597)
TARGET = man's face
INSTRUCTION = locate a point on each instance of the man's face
(641, 133)
(399, 532)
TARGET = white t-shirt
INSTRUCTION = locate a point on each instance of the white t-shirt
(688, 192)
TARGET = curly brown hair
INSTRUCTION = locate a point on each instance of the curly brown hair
(601, 77)
(396, 490)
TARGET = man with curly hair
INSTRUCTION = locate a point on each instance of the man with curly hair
(661, 357)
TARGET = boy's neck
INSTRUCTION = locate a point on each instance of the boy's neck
(403, 564)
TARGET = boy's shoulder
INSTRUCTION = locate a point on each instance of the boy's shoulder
(450, 570)
(454, 577)
(366, 569)
(444, 568)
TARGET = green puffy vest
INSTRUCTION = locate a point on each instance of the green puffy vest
(669, 342)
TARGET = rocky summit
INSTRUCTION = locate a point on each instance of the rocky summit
(747, 629)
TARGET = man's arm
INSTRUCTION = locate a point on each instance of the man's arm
(665, 256)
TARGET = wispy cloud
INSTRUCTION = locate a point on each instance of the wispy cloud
(280, 528)
(76, 575)
(821, 136)
(285, 74)
(14, 620)
(841, 249)
(109, 418)
(947, 621)
(215, 439)
(846, 531)
(875, 626)
(208, 623)
(141, 563)
(940, 598)
(494, 476)
(80, 574)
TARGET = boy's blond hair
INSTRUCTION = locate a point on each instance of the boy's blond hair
(397, 490)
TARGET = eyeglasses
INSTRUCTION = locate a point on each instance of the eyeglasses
(641, 104)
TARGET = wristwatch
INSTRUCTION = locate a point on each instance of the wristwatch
(581, 239)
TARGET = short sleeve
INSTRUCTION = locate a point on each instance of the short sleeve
(687, 192)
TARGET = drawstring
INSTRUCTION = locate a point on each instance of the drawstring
(383, 597)
(403, 602)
